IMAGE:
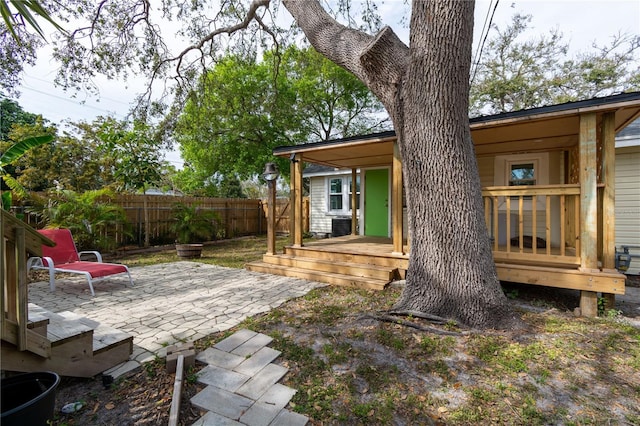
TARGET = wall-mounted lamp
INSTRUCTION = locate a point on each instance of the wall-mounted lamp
(292, 158)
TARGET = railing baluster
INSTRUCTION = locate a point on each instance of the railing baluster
(508, 219)
(548, 223)
(521, 223)
(495, 223)
(562, 224)
(576, 200)
(534, 223)
(487, 213)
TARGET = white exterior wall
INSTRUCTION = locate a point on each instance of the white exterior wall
(319, 221)
(628, 201)
(320, 216)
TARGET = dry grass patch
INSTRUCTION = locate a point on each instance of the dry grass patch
(351, 369)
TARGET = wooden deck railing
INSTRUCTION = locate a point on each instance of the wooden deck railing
(18, 239)
(534, 224)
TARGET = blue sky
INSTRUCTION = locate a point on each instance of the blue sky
(582, 22)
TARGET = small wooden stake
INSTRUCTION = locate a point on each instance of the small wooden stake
(174, 413)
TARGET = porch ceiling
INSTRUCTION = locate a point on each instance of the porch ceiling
(540, 129)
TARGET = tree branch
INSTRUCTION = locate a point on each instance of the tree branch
(369, 58)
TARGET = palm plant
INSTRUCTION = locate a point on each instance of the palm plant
(12, 154)
(92, 219)
(192, 224)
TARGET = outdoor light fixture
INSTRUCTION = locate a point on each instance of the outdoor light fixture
(271, 172)
(270, 175)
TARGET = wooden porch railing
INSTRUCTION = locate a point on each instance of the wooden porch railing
(534, 224)
(18, 239)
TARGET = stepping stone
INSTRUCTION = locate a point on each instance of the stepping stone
(213, 419)
(257, 361)
(222, 402)
(235, 340)
(268, 406)
(222, 378)
(290, 418)
(222, 359)
(252, 345)
(262, 381)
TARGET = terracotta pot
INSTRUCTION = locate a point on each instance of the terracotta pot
(189, 251)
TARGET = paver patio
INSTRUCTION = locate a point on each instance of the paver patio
(171, 302)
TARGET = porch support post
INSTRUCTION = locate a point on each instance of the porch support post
(354, 202)
(608, 138)
(396, 200)
(271, 218)
(292, 202)
(588, 208)
(297, 205)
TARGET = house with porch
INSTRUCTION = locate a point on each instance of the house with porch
(548, 177)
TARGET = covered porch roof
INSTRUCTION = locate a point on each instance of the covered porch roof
(549, 128)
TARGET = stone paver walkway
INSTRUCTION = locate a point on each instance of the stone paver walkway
(242, 384)
(171, 302)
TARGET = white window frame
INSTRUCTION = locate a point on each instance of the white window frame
(502, 174)
(346, 195)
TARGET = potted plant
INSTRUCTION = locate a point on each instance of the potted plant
(192, 225)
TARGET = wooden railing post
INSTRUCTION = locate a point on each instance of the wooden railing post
(21, 283)
(271, 218)
(608, 212)
(297, 205)
(588, 208)
(396, 201)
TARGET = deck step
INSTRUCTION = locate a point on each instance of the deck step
(345, 268)
(66, 326)
(59, 329)
(320, 276)
(340, 254)
(104, 337)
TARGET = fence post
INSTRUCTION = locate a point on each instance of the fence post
(139, 227)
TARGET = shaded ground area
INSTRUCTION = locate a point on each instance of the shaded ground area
(351, 369)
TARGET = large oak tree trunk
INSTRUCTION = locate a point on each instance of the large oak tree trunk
(425, 89)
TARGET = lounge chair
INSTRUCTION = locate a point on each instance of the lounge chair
(64, 257)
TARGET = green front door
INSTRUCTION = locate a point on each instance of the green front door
(376, 203)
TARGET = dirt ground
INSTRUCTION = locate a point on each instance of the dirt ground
(144, 397)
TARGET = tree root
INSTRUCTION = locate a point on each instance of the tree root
(395, 320)
(432, 318)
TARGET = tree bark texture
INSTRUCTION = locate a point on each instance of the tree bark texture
(425, 89)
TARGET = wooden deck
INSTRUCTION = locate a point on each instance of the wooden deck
(352, 261)
(368, 262)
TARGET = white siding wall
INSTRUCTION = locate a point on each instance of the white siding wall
(319, 222)
(485, 168)
(628, 200)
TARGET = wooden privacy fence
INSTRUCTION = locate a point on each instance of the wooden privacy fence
(283, 214)
(238, 216)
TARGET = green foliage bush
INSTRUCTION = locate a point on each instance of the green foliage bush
(193, 224)
(91, 217)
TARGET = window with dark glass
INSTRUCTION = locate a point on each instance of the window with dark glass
(522, 174)
(335, 194)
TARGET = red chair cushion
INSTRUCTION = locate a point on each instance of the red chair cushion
(95, 269)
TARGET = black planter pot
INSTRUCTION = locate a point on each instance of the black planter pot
(28, 399)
